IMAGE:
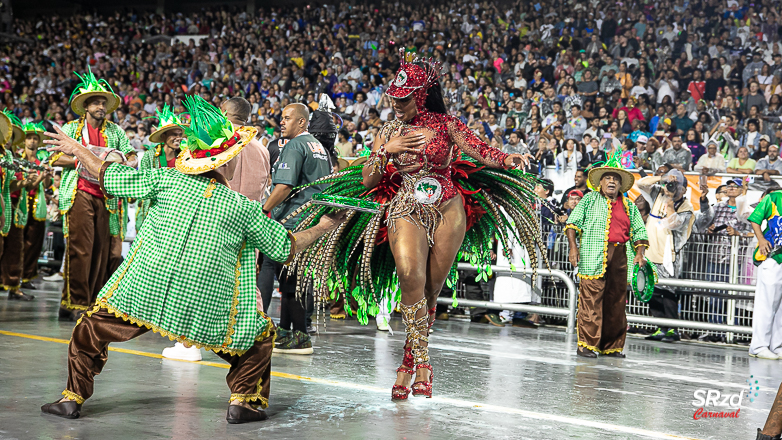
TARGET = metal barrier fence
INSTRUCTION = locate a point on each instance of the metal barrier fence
(715, 291)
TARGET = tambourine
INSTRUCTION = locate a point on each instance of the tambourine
(346, 203)
(644, 280)
(103, 153)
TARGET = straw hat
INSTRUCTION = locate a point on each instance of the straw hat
(211, 139)
(16, 133)
(5, 129)
(35, 128)
(612, 165)
(91, 87)
(167, 121)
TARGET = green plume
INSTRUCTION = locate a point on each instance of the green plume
(14, 119)
(166, 116)
(90, 84)
(36, 127)
(613, 160)
(208, 126)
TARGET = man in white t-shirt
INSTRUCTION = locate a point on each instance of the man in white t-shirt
(667, 86)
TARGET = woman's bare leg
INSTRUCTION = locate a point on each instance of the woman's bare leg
(447, 240)
(410, 249)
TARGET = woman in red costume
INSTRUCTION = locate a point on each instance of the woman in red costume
(426, 219)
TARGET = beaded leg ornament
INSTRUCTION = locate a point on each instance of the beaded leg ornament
(414, 352)
(418, 333)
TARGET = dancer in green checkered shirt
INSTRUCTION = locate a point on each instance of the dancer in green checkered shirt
(607, 223)
(190, 274)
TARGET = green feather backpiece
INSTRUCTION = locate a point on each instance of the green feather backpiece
(349, 261)
(209, 128)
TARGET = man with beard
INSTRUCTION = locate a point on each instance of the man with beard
(94, 227)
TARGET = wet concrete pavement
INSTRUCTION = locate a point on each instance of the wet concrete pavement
(489, 382)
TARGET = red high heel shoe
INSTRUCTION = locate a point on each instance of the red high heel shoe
(424, 388)
(401, 392)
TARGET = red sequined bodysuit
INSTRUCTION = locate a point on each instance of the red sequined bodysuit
(445, 137)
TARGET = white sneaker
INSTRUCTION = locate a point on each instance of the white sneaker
(55, 277)
(765, 353)
(182, 353)
(382, 324)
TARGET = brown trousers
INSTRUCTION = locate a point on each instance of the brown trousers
(34, 234)
(86, 251)
(115, 255)
(11, 260)
(602, 323)
(248, 378)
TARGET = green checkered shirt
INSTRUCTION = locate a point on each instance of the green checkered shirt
(5, 193)
(590, 220)
(116, 138)
(190, 273)
(148, 162)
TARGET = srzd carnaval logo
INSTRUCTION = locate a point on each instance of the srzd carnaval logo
(713, 404)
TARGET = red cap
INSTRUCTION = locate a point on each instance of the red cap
(576, 193)
(409, 78)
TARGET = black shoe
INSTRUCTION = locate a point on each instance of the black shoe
(298, 343)
(656, 336)
(283, 336)
(586, 353)
(64, 314)
(765, 437)
(616, 354)
(67, 409)
(672, 336)
(28, 285)
(18, 295)
(238, 414)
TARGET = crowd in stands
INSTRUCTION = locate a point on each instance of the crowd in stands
(566, 80)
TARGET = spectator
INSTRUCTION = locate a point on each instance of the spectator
(677, 154)
(753, 136)
(573, 197)
(742, 163)
(344, 144)
(580, 184)
(666, 86)
(576, 125)
(545, 190)
(755, 98)
(682, 121)
(768, 166)
(694, 145)
(568, 160)
(668, 226)
(711, 162)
